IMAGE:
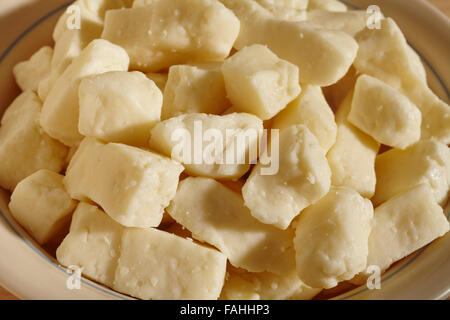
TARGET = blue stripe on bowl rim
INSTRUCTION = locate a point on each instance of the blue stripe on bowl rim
(110, 291)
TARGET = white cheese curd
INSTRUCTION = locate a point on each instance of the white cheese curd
(194, 89)
(119, 107)
(217, 215)
(427, 161)
(352, 157)
(164, 33)
(24, 147)
(384, 54)
(312, 110)
(60, 112)
(331, 238)
(132, 185)
(384, 114)
(258, 82)
(302, 179)
(41, 204)
(328, 57)
(219, 147)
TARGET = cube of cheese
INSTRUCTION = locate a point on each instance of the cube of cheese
(71, 40)
(385, 54)
(92, 244)
(312, 110)
(24, 147)
(327, 59)
(287, 4)
(291, 10)
(66, 49)
(217, 215)
(220, 147)
(302, 179)
(427, 161)
(331, 239)
(29, 73)
(242, 284)
(330, 5)
(132, 185)
(165, 33)
(42, 206)
(403, 224)
(158, 265)
(260, 83)
(60, 112)
(119, 107)
(352, 157)
(191, 89)
(351, 22)
(160, 79)
(385, 114)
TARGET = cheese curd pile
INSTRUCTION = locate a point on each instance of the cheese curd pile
(364, 166)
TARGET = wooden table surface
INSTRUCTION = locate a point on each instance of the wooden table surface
(443, 5)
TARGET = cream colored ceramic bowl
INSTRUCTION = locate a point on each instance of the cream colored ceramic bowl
(30, 273)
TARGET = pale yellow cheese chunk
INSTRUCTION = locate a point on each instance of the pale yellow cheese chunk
(71, 39)
(427, 161)
(164, 33)
(331, 239)
(351, 22)
(92, 244)
(60, 112)
(119, 107)
(258, 82)
(244, 285)
(287, 4)
(385, 114)
(132, 185)
(404, 224)
(302, 179)
(66, 49)
(24, 147)
(291, 10)
(312, 110)
(192, 89)
(328, 56)
(352, 157)
(217, 215)
(329, 5)
(225, 150)
(158, 265)
(42, 206)
(385, 54)
(29, 73)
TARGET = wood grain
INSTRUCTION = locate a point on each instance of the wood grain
(443, 5)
